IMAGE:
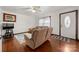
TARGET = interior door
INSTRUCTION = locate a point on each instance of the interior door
(68, 24)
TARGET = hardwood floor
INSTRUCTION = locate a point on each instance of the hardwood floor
(11, 45)
(52, 45)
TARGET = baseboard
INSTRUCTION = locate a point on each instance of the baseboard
(19, 33)
(62, 36)
(55, 34)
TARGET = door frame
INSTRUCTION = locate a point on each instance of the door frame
(76, 15)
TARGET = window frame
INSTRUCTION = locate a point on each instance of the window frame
(46, 17)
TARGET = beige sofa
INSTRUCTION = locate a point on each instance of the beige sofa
(39, 36)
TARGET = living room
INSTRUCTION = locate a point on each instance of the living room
(29, 17)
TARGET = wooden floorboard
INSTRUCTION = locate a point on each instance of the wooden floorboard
(51, 45)
(11, 45)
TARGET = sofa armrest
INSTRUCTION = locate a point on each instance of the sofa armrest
(28, 35)
(29, 42)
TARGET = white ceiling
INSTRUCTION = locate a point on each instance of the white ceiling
(21, 10)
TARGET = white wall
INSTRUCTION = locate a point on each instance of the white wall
(55, 18)
(0, 20)
(0, 30)
(23, 22)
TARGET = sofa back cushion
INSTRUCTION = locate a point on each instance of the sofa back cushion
(39, 36)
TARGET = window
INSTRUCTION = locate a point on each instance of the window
(45, 21)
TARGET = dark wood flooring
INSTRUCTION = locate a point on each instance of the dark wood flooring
(51, 45)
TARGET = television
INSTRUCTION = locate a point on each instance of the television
(8, 26)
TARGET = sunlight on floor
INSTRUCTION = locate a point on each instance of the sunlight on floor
(20, 38)
(68, 48)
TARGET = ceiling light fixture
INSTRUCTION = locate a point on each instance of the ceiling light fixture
(33, 10)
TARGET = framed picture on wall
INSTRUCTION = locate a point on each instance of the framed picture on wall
(9, 17)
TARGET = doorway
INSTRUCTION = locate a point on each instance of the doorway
(68, 24)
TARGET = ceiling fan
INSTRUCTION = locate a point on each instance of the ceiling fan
(32, 8)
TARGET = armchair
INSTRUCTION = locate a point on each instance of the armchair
(39, 36)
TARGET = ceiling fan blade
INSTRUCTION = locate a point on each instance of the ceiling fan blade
(39, 10)
(25, 8)
(36, 8)
(22, 8)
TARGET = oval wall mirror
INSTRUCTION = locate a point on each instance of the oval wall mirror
(67, 21)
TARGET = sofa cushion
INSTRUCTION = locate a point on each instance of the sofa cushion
(28, 35)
